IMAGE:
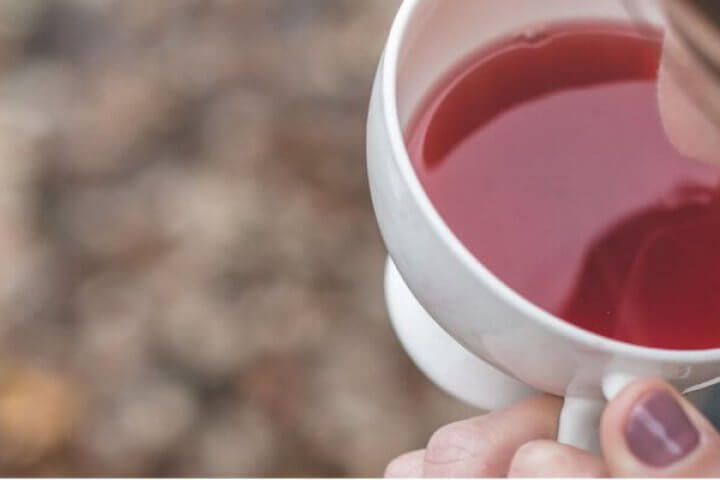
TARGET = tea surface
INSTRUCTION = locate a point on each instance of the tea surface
(547, 158)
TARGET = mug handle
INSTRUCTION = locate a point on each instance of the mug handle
(580, 416)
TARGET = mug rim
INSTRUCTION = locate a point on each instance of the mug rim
(401, 158)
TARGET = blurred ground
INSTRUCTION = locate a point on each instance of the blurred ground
(191, 278)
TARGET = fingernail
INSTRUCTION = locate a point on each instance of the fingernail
(659, 432)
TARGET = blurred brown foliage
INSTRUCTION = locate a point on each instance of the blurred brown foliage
(191, 278)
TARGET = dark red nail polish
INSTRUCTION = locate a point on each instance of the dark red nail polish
(659, 432)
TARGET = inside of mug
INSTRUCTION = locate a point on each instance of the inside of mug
(580, 224)
(441, 34)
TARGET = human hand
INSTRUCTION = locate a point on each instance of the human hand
(648, 430)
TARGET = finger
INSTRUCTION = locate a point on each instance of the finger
(484, 446)
(650, 430)
(547, 458)
(408, 465)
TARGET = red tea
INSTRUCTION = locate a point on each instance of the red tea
(547, 158)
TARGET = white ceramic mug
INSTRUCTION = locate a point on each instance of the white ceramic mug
(491, 321)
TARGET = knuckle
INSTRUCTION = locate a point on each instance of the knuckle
(459, 442)
(395, 468)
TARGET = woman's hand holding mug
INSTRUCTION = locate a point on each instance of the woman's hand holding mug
(647, 430)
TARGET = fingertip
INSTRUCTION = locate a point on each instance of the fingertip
(528, 459)
(649, 429)
(618, 408)
(407, 465)
(547, 458)
(613, 420)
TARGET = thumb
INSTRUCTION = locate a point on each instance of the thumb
(649, 430)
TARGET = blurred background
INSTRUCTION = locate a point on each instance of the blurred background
(191, 271)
